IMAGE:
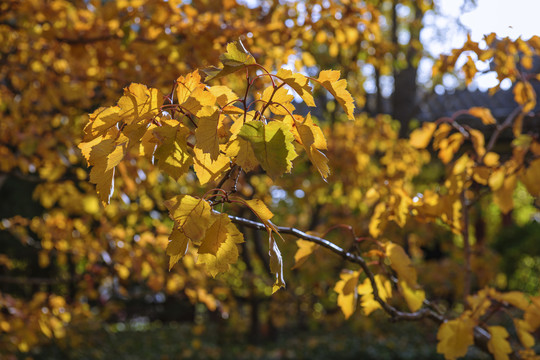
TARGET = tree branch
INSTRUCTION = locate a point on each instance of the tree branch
(481, 336)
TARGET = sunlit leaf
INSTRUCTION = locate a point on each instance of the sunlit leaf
(305, 249)
(455, 337)
(498, 344)
(193, 216)
(347, 291)
(329, 79)
(298, 83)
(421, 137)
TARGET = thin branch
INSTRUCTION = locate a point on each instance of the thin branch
(481, 336)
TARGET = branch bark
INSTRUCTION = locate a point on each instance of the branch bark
(481, 336)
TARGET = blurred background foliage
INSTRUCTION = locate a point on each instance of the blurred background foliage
(81, 281)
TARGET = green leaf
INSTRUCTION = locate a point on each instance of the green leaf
(272, 145)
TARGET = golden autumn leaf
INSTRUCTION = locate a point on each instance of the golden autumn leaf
(498, 345)
(193, 216)
(477, 138)
(206, 134)
(305, 249)
(401, 263)
(243, 154)
(525, 95)
(483, 114)
(207, 169)
(223, 94)
(215, 236)
(449, 146)
(347, 291)
(502, 197)
(377, 221)
(272, 145)
(281, 96)
(298, 83)
(329, 79)
(178, 245)
(455, 337)
(421, 137)
(172, 154)
(222, 237)
(523, 330)
(313, 140)
(529, 177)
(260, 209)
(139, 103)
(413, 297)
(368, 302)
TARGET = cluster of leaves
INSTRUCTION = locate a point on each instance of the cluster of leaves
(201, 126)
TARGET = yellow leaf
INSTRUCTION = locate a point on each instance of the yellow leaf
(101, 120)
(305, 248)
(347, 291)
(421, 137)
(401, 263)
(243, 154)
(185, 86)
(455, 337)
(260, 209)
(178, 245)
(172, 152)
(193, 216)
(223, 94)
(368, 302)
(491, 159)
(139, 103)
(206, 135)
(483, 114)
(449, 146)
(523, 331)
(215, 235)
(313, 140)
(530, 177)
(99, 174)
(280, 96)
(413, 297)
(329, 79)
(227, 249)
(298, 83)
(377, 222)
(514, 298)
(208, 169)
(497, 344)
(524, 95)
(272, 145)
(502, 197)
(496, 179)
(477, 138)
